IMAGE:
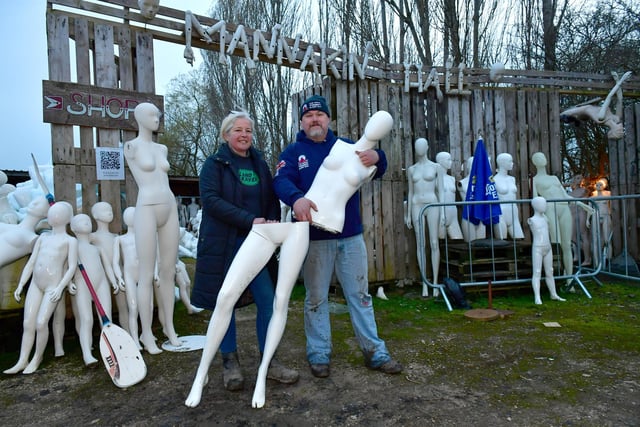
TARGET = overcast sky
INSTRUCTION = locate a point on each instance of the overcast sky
(24, 34)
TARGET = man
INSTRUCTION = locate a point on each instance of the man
(343, 252)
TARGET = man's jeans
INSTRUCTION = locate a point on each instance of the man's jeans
(348, 257)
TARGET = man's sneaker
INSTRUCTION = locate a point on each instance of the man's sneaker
(389, 367)
(278, 372)
(320, 370)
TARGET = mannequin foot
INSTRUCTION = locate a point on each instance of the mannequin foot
(557, 298)
(58, 352)
(32, 366)
(259, 393)
(89, 360)
(537, 301)
(195, 394)
(16, 368)
(150, 345)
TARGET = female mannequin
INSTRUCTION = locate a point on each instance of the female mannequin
(426, 181)
(558, 213)
(17, 240)
(507, 189)
(97, 264)
(604, 206)
(156, 224)
(541, 253)
(452, 227)
(51, 267)
(104, 239)
(581, 234)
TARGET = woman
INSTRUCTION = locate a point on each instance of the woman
(236, 192)
(507, 190)
(425, 179)
(156, 224)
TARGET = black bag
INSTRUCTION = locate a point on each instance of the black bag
(455, 293)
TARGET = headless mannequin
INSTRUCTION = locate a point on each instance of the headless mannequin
(425, 179)
(470, 231)
(558, 213)
(342, 173)
(450, 221)
(17, 240)
(581, 234)
(51, 267)
(97, 264)
(125, 269)
(103, 215)
(604, 206)
(509, 225)
(253, 255)
(541, 253)
(156, 224)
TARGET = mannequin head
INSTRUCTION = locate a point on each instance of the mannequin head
(81, 224)
(422, 147)
(102, 211)
(539, 160)
(38, 207)
(602, 184)
(128, 215)
(60, 214)
(539, 204)
(444, 159)
(147, 115)
(148, 8)
(504, 161)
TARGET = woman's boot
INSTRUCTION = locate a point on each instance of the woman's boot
(231, 373)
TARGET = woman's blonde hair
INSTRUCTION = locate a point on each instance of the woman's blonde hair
(230, 120)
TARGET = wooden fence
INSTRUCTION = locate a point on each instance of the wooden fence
(519, 122)
(113, 48)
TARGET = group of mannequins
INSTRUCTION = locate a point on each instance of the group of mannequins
(430, 183)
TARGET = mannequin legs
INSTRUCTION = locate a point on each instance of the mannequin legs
(252, 256)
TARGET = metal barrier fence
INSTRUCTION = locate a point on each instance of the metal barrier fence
(499, 261)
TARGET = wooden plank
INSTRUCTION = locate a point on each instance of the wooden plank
(489, 127)
(455, 135)
(477, 114)
(523, 148)
(467, 138)
(500, 122)
(342, 109)
(145, 72)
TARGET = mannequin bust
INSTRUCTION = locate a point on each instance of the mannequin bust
(342, 173)
(604, 206)
(253, 255)
(425, 179)
(193, 208)
(97, 264)
(558, 213)
(102, 213)
(451, 224)
(509, 225)
(156, 225)
(51, 267)
(541, 253)
(125, 269)
(470, 231)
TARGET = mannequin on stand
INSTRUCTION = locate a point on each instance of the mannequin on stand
(156, 224)
(426, 181)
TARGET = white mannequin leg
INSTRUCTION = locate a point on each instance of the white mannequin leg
(292, 254)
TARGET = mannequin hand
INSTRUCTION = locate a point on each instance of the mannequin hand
(407, 222)
(116, 288)
(55, 294)
(121, 284)
(73, 289)
(17, 293)
(368, 157)
(302, 209)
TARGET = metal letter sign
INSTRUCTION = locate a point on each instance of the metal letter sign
(93, 106)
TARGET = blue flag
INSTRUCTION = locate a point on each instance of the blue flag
(481, 187)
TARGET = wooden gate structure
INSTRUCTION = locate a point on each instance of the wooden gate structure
(450, 106)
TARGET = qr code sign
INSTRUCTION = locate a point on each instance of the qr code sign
(110, 160)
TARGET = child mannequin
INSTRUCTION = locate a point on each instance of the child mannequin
(541, 254)
(51, 267)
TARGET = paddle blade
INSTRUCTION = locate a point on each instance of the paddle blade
(121, 356)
